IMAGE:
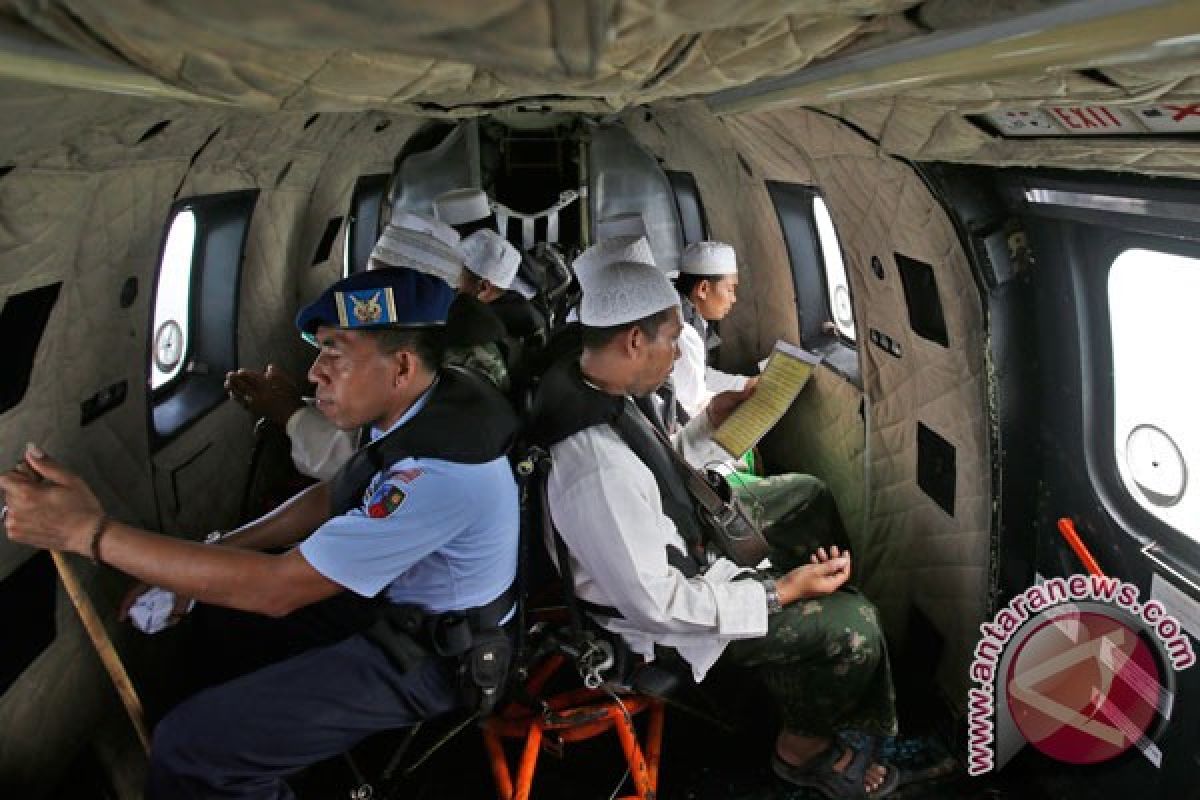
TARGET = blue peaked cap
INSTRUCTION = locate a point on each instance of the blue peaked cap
(394, 297)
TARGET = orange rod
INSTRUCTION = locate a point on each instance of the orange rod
(528, 765)
(638, 770)
(654, 741)
(1067, 528)
(499, 762)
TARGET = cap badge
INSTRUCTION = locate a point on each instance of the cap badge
(366, 307)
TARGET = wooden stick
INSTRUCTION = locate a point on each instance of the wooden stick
(104, 646)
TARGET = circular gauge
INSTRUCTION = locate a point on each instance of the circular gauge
(168, 346)
(841, 306)
(1156, 465)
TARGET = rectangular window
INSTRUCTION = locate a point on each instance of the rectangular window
(1156, 431)
(193, 338)
(823, 297)
(172, 300)
(836, 284)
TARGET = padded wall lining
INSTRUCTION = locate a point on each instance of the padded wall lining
(86, 204)
(911, 552)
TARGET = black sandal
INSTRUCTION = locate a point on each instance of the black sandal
(847, 784)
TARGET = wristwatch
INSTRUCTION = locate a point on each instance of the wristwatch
(774, 604)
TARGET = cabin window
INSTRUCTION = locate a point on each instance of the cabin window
(836, 284)
(193, 334)
(1156, 432)
(823, 300)
(363, 223)
(692, 219)
(172, 313)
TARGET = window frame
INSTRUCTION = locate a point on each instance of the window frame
(366, 206)
(849, 341)
(794, 209)
(222, 230)
(1099, 380)
(181, 369)
(1155, 215)
(689, 206)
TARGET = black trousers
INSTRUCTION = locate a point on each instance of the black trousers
(331, 689)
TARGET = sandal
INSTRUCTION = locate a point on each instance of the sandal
(847, 784)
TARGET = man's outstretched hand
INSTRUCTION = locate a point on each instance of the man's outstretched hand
(825, 574)
(271, 394)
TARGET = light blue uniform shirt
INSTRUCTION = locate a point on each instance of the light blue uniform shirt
(435, 533)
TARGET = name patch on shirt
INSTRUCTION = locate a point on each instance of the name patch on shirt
(386, 499)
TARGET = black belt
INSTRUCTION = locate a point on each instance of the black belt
(447, 633)
(598, 610)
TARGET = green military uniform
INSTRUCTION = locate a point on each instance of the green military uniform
(824, 661)
(483, 359)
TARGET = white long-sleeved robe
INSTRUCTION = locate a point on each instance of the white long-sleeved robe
(319, 449)
(695, 381)
(605, 503)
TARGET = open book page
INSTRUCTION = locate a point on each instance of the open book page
(788, 368)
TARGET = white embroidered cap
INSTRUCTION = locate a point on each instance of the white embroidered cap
(620, 292)
(708, 258)
(627, 224)
(421, 243)
(608, 251)
(460, 206)
(489, 255)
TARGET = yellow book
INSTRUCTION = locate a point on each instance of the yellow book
(788, 368)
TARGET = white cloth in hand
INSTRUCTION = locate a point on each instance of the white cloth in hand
(152, 611)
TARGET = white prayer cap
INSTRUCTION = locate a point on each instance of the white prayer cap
(489, 255)
(421, 243)
(628, 224)
(621, 292)
(460, 206)
(708, 258)
(608, 251)
(423, 223)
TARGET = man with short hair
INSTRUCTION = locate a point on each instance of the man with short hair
(425, 518)
(489, 265)
(318, 449)
(707, 285)
(635, 544)
(469, 211)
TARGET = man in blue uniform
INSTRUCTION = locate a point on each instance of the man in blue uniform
(425, 517)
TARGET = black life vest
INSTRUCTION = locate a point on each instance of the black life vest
(565, 404)
(466, 420)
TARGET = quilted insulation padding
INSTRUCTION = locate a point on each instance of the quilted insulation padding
(594, 55)
(910, 551)
(822, 434)
(86, 203)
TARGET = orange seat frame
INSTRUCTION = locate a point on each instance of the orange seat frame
(572, 716)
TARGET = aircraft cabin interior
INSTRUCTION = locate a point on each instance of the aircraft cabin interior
(984, 218)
